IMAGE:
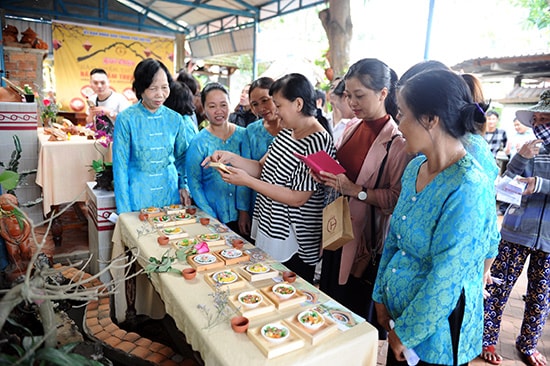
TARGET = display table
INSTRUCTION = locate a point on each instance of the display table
(64, 167)
(219, 345)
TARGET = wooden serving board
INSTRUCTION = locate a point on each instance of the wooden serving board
(251, 277)
(204, 267)
(313, 336)
(266, 306)
(240, 283)
(230, 261)
(296, 299)
(270, 349)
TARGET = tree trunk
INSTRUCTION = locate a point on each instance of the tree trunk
(336, 20)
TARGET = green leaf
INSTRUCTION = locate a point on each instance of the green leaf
(8, 180)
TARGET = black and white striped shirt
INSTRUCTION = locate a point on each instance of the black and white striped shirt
(284, 169)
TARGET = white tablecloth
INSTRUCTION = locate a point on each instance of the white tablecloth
(219, 345)
(64, 167)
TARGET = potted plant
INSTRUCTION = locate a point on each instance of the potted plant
(103, 169)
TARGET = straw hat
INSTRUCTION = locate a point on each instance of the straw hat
(525, 116)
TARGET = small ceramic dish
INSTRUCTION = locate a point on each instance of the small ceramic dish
(257, 268)
(225, 277)
(284, 291)
(250, 299)
(311, 319)
(189, 273)
(275, 333)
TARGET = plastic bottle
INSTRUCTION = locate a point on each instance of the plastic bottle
(409, 353)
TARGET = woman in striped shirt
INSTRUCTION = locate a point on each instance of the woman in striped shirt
(287, 221)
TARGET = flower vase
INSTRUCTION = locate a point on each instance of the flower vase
(104, 179)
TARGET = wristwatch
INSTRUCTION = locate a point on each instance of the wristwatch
(361, 196)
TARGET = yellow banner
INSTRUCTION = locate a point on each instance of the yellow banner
(80, 48)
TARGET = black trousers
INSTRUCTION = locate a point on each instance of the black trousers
(455, 323)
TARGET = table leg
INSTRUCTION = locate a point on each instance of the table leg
(57, 232)
(130, 292)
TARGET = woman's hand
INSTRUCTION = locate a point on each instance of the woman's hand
(219, 156)
(530, 149)
(185, 197)
(340, 182)
(396, 345)
(238, 177)
(244, 222)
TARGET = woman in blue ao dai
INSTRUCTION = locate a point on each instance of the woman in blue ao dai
(430, 277)
(150, 142)
(210, 193)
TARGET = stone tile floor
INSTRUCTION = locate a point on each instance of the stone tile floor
(75, 243)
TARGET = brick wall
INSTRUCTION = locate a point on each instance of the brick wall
(24, 66)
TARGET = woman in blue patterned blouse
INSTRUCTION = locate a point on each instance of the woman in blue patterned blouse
(150, 142)
(430, 278)
(210, 193)
(259, 134)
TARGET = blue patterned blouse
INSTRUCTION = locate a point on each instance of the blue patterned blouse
(210, 193)
(256, 142)
(149, 157)
(476, 145)
(434, 250)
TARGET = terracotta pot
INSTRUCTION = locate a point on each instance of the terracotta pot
(237, 243)
(289, 276)
(143, 216)
(239, 324)
(191, 210)
(163, 240)
(204, 220)
(189, 273)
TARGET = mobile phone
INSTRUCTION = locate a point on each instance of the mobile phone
(90, 103)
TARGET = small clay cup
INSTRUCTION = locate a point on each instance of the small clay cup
(143, 216)
(191, 210)
(204, 221)
(163, 240)
(237, 243)
(189, 273)
(289, 276)
(239, 324)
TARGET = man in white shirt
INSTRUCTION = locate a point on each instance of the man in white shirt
(105, 104)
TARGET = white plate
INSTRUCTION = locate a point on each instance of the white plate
(186, 242)
(231, 253)
(304, 316)
(163, 218)
(206, 258)
(150, 210)
(172, 231)
(269, 330)
(209, 237)
(257, 268)
(225, 277)
(180, 217)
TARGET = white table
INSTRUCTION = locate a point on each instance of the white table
(219, 345)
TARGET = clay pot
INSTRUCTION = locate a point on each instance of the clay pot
(237, 243)
(289, 276)
(189, 273)
(163, 240)
(191, 210)
(239, 324)
(204, 220)
(143, 216)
